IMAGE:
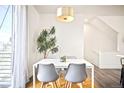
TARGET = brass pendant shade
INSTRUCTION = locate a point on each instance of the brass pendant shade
(65, 14)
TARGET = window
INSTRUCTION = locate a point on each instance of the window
(5, 45)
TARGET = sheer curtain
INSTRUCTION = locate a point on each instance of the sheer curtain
(20, 47)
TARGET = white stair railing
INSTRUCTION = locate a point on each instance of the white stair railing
(5, 53)
(5, 67)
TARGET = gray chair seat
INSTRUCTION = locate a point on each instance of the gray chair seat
(58, 70)
(47, 73)
(69, 57)
(76, 73)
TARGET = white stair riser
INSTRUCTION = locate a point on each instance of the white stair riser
(5, 67)
(5, 75)
(5, 71)
(5, 79)
(5, 63)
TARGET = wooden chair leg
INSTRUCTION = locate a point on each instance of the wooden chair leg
(70, 84)
(51, 84)
(80, 85)
(66, 83)
(46, 85)
(42, 83)
(58, 82)
(55, 85)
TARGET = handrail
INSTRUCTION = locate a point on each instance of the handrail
(4, 17)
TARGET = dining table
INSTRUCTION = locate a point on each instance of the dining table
(59, 64)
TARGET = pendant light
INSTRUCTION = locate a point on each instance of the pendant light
(65, 14)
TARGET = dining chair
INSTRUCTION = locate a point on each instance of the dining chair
(69, 57)
(47, 74)
(76, 74)
(64, 70)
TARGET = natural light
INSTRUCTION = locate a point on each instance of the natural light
(5, 45)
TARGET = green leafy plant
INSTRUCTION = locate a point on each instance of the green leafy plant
(46, 42)
(63, 59)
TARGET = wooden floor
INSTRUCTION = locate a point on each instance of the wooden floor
(104, 78)
(107, 78)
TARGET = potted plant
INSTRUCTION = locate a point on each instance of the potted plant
(46, 42)
(63, 59)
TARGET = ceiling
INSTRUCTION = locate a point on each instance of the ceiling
(105, 10)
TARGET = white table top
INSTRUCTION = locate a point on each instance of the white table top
(58, 63)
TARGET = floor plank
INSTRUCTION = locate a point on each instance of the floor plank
(107, 78)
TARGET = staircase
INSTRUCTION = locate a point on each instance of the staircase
(99, 37)
(5, 66)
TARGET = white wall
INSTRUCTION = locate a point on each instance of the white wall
(120, 42)
(33, 28)
(117, 23)
(69, 35)
(104, 40)
(109, 60)
(91, 44)
(98, 38)
(70, 38)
